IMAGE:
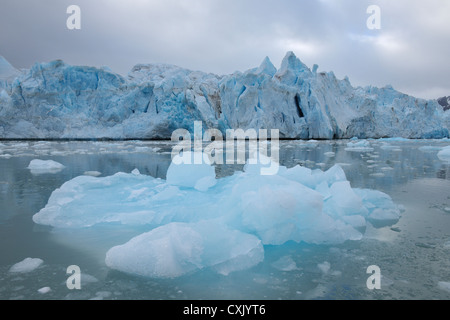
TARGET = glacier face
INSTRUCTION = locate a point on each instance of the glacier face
(57, 100)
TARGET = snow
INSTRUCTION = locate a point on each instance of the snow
(193, 221)
(58, 100)
(38, 166)
(26, 265)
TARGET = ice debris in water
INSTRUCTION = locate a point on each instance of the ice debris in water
(285, 263)
(444, 286)
(444, 154)
(38, 166)
(44, 290)
(195, 221)
(359, 146)
(92, 173)
(26, 265)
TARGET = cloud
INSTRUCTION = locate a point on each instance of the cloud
(221, 36)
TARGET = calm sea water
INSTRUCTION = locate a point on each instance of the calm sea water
(413, 255)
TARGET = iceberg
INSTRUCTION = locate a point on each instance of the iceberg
(222, 226)
(56, 100)
(179, 248)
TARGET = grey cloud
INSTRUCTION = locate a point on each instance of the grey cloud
(410, 51)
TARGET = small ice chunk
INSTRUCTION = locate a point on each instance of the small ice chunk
(430, 148)
(87, 278)
(377, 175)
(135, 172)
(330, 154)
(26, 265)
(324, 267)
(92, 173)
(44, 290)
(37, 166)
(101, 295)
(285, 263)
(360, 146)
(381, 208)
(444, 286)
(444, 154)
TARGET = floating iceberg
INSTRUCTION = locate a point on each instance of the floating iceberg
(224, 226)
(37, 166)
(178, 248)
(26, 265)
(444, 154)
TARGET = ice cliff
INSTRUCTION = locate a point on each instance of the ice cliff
(57, 100)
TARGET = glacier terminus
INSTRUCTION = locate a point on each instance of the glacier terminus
(55, 100)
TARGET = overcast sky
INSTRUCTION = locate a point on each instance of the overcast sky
(411, 50)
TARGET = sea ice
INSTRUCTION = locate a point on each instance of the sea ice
(26, 265)
(194, 221)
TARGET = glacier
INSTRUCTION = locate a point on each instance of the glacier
(55, 100)
(224, 225)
